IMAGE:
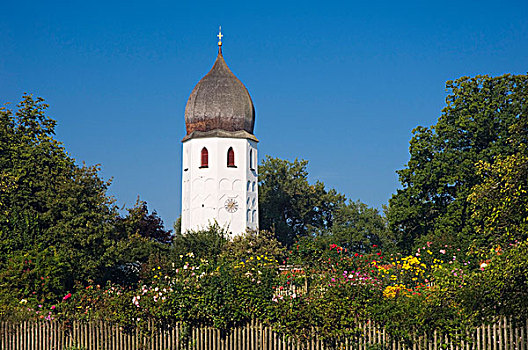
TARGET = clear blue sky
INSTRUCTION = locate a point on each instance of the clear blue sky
(341, 84)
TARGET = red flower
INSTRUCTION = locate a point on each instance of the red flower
(67, 296)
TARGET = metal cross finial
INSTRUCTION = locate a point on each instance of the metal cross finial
(220, 36)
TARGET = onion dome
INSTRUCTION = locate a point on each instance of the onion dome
(219, 105)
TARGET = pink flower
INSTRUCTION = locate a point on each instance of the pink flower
(67, 296)
(442, 251)
(53, 307)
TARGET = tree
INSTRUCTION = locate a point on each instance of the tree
(57, 214)
(52, 204)
(441, 172)
(288, 204)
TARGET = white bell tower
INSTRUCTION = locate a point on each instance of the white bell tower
(219, 177)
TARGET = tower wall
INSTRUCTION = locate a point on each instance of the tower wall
(227, 195)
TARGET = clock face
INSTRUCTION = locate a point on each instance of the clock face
(231, 205)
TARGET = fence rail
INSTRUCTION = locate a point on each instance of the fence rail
(48, 335)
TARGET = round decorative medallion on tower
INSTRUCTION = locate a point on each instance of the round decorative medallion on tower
(219, 102)
(219, 177)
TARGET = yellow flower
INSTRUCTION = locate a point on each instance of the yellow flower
(392, 291)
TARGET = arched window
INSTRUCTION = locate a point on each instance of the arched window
(205, 158)
(230, 157)
(251, 159)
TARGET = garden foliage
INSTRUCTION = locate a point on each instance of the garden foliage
(454, 257)
(316, 289)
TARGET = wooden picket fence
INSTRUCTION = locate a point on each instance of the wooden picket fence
(48, 335)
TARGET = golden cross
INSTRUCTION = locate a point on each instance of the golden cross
(220, 36)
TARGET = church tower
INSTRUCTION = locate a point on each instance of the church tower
(219, 178)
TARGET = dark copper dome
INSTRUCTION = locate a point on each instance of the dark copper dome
(219, 102)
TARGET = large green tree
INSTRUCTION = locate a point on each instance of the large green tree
(52, 208)
(474, 126)
(57, 223)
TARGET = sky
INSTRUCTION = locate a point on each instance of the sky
(341, 84)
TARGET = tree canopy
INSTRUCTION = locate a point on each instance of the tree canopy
(474, 127)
